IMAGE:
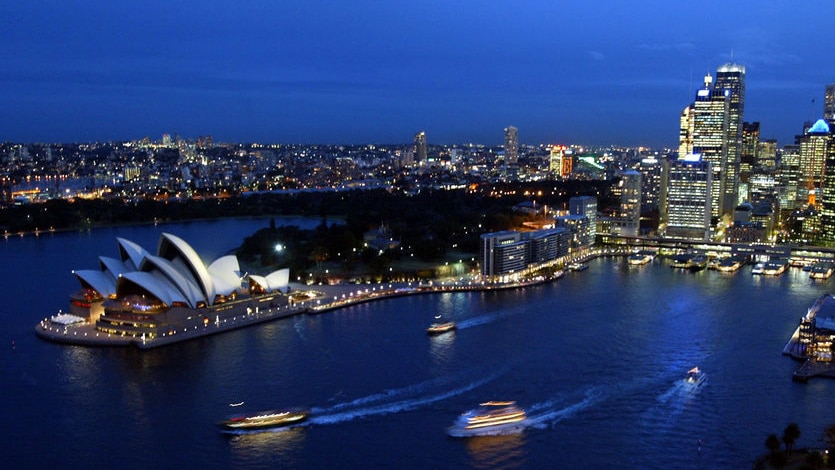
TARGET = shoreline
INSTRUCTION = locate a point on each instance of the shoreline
(86, 334)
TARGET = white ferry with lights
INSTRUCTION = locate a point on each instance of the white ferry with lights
(264, 420)
(492, 417)
(440, 327)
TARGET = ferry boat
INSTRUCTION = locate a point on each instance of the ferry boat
(775, 267)
(492, 417)
(695, 377)
(438, 327)
(264, 420)
(758, 268)
(578, 267)
(638, 259)
(697, 263)
(681, 261)
(822, 270)
(729, 265)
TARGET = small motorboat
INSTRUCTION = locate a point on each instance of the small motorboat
(695, 377)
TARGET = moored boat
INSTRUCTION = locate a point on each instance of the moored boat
(698, 262)
(265, 420)
(730, 264)
(775, 267)
(577, 267)
(758, 268)
(638, 259)
(822, 270)
(492, 417)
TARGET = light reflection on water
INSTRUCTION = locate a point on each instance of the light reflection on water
(497, 452)
(269, 445)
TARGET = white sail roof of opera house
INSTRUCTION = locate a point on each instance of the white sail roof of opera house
(176, 274)
(277, 280)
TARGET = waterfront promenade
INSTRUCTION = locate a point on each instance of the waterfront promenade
(307, 299)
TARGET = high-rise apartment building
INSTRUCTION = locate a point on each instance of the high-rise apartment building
(420, 147)
(585, 206)
(629, 217)
(511, 145)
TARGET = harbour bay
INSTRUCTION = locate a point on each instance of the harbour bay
(597, 359)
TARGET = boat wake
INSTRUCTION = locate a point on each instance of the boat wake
(489, 318)
(390, 402)
(671, 404)
(300, 330)
(548, 413)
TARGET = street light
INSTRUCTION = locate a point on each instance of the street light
(279, 247)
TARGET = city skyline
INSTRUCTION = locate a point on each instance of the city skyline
(310, 72)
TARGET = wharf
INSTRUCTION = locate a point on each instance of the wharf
(86, 334)
(812, 368)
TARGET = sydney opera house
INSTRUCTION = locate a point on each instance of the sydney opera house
(147, 296)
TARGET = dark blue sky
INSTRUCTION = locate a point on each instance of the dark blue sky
(312, 71)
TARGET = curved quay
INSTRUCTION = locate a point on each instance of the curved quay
(86, 334)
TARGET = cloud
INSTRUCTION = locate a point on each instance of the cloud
(675, 47)
(597, 55)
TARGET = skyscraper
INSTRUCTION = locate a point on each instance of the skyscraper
(712, 127)
(420, 147)
(829, 103)
(511, 145)
(686, 206)
(827, 204)
(630, 204)
(730, 78)
(814, 146)
(711, 112)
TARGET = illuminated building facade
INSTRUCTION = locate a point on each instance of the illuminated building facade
(711, 112)
(827, 204)
(750, 145)
(511, 252)
(688, 183)
(767, 153)
(585, 206)
(814, 145)
(712, 127)
(511, 145)
(788, 175)
(628, 221)
(579, 228)
(561, 161)
(829, 103)
(420, 147)
(502, 253)
(730, 78)
(650, 169)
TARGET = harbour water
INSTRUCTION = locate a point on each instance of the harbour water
(596, 358)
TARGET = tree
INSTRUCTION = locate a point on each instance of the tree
(790, 435)
(773, 443)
